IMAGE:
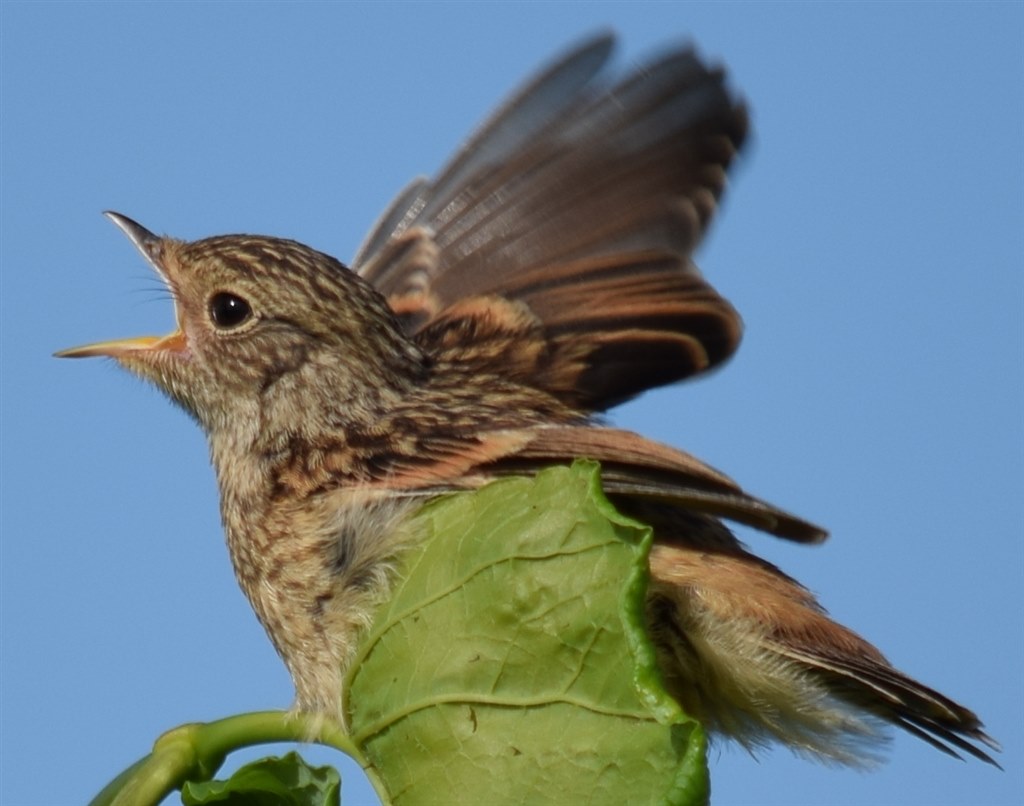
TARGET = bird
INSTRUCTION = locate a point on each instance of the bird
(490, 319)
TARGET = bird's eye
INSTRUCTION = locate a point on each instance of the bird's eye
(228, 310)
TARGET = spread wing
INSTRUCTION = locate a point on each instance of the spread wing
(574, 211)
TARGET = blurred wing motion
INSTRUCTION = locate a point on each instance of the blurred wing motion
(571, 217)
(554, 251)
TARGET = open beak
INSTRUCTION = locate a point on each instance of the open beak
(150, 246)
(119, 347)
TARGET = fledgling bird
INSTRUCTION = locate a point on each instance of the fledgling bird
(489, 317)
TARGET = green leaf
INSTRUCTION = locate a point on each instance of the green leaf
(512, 660)
(285, 781)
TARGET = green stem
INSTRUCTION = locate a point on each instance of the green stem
(196, 751)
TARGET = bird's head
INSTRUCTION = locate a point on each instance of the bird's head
(272, 336)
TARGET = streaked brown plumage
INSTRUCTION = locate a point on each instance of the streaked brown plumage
(544, 277)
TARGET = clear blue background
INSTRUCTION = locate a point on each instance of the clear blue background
(873, 239)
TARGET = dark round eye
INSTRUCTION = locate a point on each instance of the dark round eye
(228, 310)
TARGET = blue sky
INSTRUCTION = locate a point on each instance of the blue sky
(872, 238)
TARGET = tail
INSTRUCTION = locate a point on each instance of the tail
(750, 653)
